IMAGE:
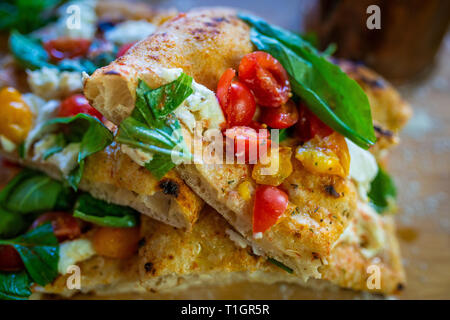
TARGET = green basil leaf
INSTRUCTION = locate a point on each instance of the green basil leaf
(383, 192)
(328, 92)
(37, 193)
(39, 250)
(152, 127)
(103, 213)
(92, 135)
(26, 15)
(60, 144)
(28, 52)
(11, 223)
(14, 286)
(160, 165)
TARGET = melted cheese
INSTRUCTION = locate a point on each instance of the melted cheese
(73, 252)
(130, 31)
(137, 155)
(42, 111)
(201, 107)
(363, 168)
(50, 83)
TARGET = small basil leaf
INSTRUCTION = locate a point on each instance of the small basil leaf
(92, 135)
(103, 213)
(153, 128)
(14, 286)
(11, 223)
(328, 92)
(58, 146)
(382, 192)
(39, 250)
(28, 52)
(35, 194)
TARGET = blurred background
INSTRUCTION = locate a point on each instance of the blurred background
(412, 50)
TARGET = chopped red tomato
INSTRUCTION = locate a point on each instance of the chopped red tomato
(118, 243)
(309, 125)
(123, 49)
(237, 101)
(67, 48)
(254, 144)
(76, 104)
(270, 203)
(280, 118)
(266, 77)
(10, 259)
(65, 226)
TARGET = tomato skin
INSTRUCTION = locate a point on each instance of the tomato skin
(309, 125)
(270, 203)
(10, 259)
(280, 118)
(119, 243)
(251, 139)
(123, 49)
(266, 77)
(76, 104)
(67, 48)
(237, 101)
(65, 226)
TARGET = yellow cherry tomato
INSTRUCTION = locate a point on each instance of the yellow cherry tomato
(328, 155)
(16, 117)
(276, 171)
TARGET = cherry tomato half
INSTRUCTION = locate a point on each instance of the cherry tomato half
(266, 77)
(10, 259)
(237, 101)
(67, 48)
(119, 243)
(65, 226)
(123, 49)
(270, 203)
(250, 139)
(76, 104)
(280, 118)
(309, 125)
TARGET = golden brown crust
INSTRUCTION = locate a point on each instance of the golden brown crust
(203, 43)
(171, 259)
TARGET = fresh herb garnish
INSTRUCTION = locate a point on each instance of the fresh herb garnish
(153, 128)
(14, 285)
(329, 93)
(39, 250)
(31, 192)
(382, 192)
(30, 53)
(92, 135)
(104, 214)
(26, 15)
(280, 265)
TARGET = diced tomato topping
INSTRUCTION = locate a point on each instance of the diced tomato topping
(270, 203)
(67, 48)
(10, 259)
(237, 101)
(119, 243)
(266, 77)
(76, 104)
(65, 226)
(123, 49)
(280, 118)
(248, 139)
(309, 125)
